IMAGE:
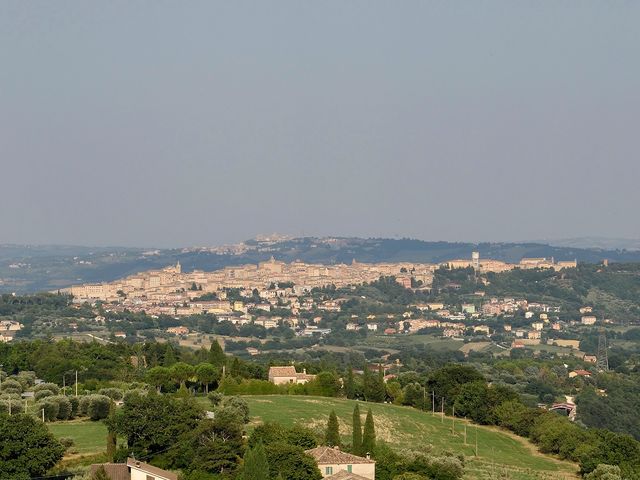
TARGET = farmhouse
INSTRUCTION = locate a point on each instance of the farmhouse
(283, 375)
(332, 461)
(133, 470)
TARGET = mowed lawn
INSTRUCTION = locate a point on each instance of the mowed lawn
(408, 428)
(89, 437)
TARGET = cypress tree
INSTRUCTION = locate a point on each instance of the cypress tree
(332, 437)
(111, 433)
(368, 387)
(369, 435)
(216, 354)
(255, 466)
(169, 356)
(349, 384)
(357, 431)
(374, 388)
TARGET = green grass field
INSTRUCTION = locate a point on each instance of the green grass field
(500, 455)
(89, 437)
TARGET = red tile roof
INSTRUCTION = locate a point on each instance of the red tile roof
(115, 471)
(333, 456)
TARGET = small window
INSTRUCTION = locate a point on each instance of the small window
(349, 468)
(149, 477)
(328, 471)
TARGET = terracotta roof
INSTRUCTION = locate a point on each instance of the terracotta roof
(145, 467)
(115, 471)
(344, 475)
(282, 371)
(329, 455)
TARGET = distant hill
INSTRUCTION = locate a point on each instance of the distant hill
(26, 268)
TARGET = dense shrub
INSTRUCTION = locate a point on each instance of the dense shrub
(11, 386)
(98, 407)
(47, 386)
(75, 405)
(40, 394)
(65, 410)
(66, 441)
(12, 405)
(50, 409)
(132, 393)
(113, 393)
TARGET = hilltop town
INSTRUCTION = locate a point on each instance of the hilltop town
(172, 291)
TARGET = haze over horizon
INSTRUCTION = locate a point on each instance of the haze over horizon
(169, 124)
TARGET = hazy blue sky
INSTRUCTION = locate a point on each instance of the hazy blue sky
(196, 123)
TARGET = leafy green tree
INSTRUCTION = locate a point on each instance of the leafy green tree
(291, 462)
(301, 437)
(356, 443)
(369, 434)
(446, 381)
(473, 402)
(332, 436)
(28, 448)
(216, 354)
(267, 433)
(206, 374)
(181, 372)
(605, 472)
(215, 445)
(159, 377)
(153, 423)
(255, 466)
(326, 384)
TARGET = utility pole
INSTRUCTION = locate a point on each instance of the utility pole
(424, 398)
(76, 383)
(442, 411)
(453, 421)
(9, 406)
(43, 415)
(433, 403)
